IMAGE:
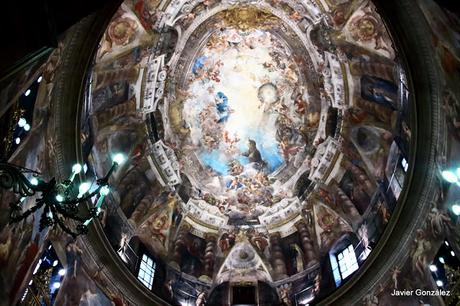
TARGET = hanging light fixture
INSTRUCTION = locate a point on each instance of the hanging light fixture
(60, 201)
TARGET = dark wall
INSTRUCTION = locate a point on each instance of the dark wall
(27, 26)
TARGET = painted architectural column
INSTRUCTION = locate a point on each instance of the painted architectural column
(209, 255)
(179, 246)
(278, 260)
(359, 68)
(361, 177)
(382, 113)
(307, 243)
(108, 77)
(348, 206)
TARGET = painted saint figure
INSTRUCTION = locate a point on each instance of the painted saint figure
(222, 107)
(253, 154)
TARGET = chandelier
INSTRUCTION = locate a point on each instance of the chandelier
(60, 202)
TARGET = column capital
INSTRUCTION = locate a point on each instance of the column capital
(301, 224)
(275, 235)
(210, 237)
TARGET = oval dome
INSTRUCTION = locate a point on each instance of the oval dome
(267, 141)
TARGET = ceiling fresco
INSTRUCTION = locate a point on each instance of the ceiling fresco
(263, 138)
(246, 120)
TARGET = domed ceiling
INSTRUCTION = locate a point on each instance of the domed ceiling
(263, 139)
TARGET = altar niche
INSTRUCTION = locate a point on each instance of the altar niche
(244, 294)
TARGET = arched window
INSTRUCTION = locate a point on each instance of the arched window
(343, 264)
(344, 257)
(347, 261)
(146, 271)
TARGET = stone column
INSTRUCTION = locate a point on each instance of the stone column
(382, 113)
(179, 246)
(347, 205)
(361, 177)
(209, 256)
(307, 243)
(278, 260)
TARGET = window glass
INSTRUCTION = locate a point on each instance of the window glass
(146, 271)
(347, 261)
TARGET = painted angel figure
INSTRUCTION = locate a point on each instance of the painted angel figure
(419, 254)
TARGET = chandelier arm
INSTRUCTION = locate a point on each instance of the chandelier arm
(64, 227)
(74, 217)
(19, 168)
(12, 178)
(57, 220)
(105, 179)
(85, 198)
(25, 214)
(100, 182)
(58, 210)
